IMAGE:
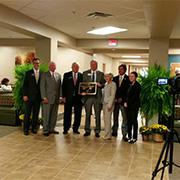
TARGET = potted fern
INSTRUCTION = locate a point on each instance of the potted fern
(155, 99)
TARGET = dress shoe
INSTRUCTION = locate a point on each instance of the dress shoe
(46, 134)
(125, 139)
(34, 131)
(97, 135)
(65, 132)
(26, 133)
(54, 132)
(114, 134)
(86, 134)
(76, 132)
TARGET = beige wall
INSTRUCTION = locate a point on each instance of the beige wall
(7, 63)
(102, 59)
(67, 56)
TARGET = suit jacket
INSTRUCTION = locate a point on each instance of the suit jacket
(133, 96)
(121, 92)
(30, 88)
(50, 89)
(109, 94)
(99, 78)
(69, 89)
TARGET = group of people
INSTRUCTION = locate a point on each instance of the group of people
(112, 95)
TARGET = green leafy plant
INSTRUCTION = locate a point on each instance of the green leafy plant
(155, 99)
(19, 72)
(158, 128)
(144, 130)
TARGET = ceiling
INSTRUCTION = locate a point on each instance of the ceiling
(142, 18)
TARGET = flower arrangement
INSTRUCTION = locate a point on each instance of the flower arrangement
(158, 128)
(40, 120)
(144, 130)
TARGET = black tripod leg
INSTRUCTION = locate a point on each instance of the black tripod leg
(159, 160)
(165, 161)
(171, 154)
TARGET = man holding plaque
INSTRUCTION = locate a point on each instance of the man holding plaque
(71, 98)
(93, 76)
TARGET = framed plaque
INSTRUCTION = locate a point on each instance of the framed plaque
(90, 88)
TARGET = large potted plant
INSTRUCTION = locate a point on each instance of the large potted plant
(155, 99)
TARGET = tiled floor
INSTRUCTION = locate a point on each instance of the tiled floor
(75, 157)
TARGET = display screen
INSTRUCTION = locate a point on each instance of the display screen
(162, 81)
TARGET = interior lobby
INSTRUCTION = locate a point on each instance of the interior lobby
(58, 31)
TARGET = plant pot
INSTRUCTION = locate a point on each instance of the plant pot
(158, 137)
(145, 137)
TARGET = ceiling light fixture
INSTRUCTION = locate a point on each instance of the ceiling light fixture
(106, 30)
(131, 56)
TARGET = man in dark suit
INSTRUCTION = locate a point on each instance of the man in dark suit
(71, 98)
(93, 75)
(122, 84)
(31, 96)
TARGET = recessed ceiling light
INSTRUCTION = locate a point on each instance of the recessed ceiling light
(106, 30)
(131, 56)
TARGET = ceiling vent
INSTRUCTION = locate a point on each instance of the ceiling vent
(98, 14)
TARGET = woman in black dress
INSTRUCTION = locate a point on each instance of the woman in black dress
(132, 105)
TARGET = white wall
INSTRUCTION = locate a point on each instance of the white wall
(7, 60)
(64, 61)
(67, 56)
(102, 59)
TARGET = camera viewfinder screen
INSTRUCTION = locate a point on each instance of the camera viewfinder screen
(162, 81)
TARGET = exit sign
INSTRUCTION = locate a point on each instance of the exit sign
(112, 43)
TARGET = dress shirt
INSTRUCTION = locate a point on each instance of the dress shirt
(94, 75)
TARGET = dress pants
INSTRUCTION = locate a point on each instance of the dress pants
(116, 119)
(132, 123)
(34, 108)
(50, 112)
(107, 121)
(68, 114)
(92, 100)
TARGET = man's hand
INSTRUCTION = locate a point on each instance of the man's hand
(25, 98)
(99, 85)
(83, 94)
(108, 108)
(119, 100)
(45, 100)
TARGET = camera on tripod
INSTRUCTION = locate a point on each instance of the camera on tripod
(173, 82)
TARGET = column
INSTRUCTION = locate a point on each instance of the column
(158, 51)
(46, 49)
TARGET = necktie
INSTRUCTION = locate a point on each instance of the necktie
(93, 77)
(75, 79)
(120, 81)
(36, 77)
(53, 78)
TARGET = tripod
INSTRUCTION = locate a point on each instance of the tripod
(167, 149)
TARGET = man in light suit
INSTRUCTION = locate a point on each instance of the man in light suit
(93, 75)
(71, 98)
(31, 96)
(50, 93)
